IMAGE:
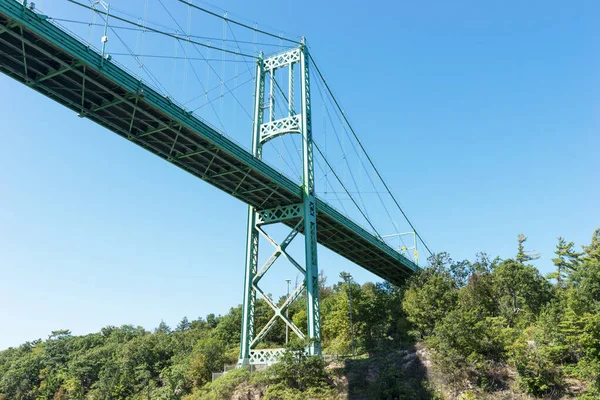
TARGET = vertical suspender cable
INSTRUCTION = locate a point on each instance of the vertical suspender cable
(366, 154)
(185, 71)
(223, 44)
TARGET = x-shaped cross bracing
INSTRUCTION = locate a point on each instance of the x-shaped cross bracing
(279, 312)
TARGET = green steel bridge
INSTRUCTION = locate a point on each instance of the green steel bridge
(56, 64)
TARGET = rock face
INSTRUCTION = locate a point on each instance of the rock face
(246, 392)
(399, 374)
(395, 374)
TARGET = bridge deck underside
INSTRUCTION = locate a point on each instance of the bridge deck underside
(50, 61)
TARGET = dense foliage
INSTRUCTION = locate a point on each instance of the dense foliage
(488, 325)
(130, 362)
(484, 318)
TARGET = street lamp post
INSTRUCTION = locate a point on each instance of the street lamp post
(287, 313)
(348, 279)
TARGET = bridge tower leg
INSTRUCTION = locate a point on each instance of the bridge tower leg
(302, 216)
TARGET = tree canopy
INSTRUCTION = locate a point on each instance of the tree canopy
(483, 322)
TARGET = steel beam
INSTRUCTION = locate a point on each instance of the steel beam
(103, 107)
(310, 211)
(249, 300)
(283, 59)
(24, 54)
(153, 131)
(278, 127)
(55, 73)
(279, 214)
(193, 153)
(8, 26)
(306, 212)
(137, 99)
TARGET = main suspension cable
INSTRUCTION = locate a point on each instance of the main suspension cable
(238, 23)
(338, 178)
(174, 36)
(365, 151)
(138, 29)
(351, 198)
(345, 158)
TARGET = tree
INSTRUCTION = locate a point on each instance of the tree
(228, 326)
(522, 255)
(163, 327)
(183, 325)
(59, 334)
(521, 291)
(593, 250)
(584, 286)
(430, 295)
(566, 261)
(335, 328)
(211, 320)
(207, 357)
(377, 310)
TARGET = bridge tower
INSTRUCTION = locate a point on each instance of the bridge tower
(265, 129)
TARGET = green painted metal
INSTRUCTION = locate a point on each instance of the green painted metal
(55, 73)
(305, 213)
(104, 106)
(32, 21)
(252, 236)
(310, 211)
(32, 49)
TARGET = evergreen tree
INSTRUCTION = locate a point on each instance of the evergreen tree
(163, 327)
(593, 250)
(522, 255)
(183, 325)
(566, 261)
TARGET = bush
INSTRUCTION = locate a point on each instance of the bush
(298, 371)
(225, 386)
(280, 391)
(538, 375)
(296, 376)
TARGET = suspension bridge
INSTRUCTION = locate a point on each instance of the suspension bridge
(43, 55)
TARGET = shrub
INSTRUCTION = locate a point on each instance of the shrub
(538, 375)
(225, 386)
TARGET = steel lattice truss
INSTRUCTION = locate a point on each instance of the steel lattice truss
(280, 127)
(266, 356)
(282, 60)
(303, 214)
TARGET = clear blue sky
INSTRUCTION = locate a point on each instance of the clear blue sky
(485, 119)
